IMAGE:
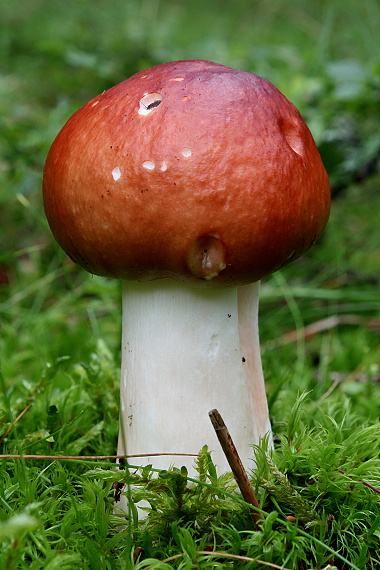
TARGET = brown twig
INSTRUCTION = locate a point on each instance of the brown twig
(93, 457)
(7, 432)
(319, 326)
(349, 378)
(236, 465)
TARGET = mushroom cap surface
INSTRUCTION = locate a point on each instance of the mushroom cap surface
(189, 170)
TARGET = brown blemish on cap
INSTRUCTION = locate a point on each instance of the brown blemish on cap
(206, 257)
(291, 129)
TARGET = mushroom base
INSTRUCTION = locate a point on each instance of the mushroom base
(185, 352)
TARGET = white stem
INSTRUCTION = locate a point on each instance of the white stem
(185, 352)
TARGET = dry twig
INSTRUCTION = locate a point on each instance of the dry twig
(236, 465)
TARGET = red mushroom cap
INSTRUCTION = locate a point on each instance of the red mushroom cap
(189, 170)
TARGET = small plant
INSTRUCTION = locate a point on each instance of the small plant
(318, 491)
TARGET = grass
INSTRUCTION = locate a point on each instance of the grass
(320, 321)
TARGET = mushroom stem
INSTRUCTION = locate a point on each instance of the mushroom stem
(184, 352)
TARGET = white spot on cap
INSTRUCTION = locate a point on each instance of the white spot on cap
(149, 102)
(186, 152)
(116, 173)
(179, 78)
(149, 165)
(164, 166)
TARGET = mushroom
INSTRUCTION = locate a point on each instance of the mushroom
(190, 181)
